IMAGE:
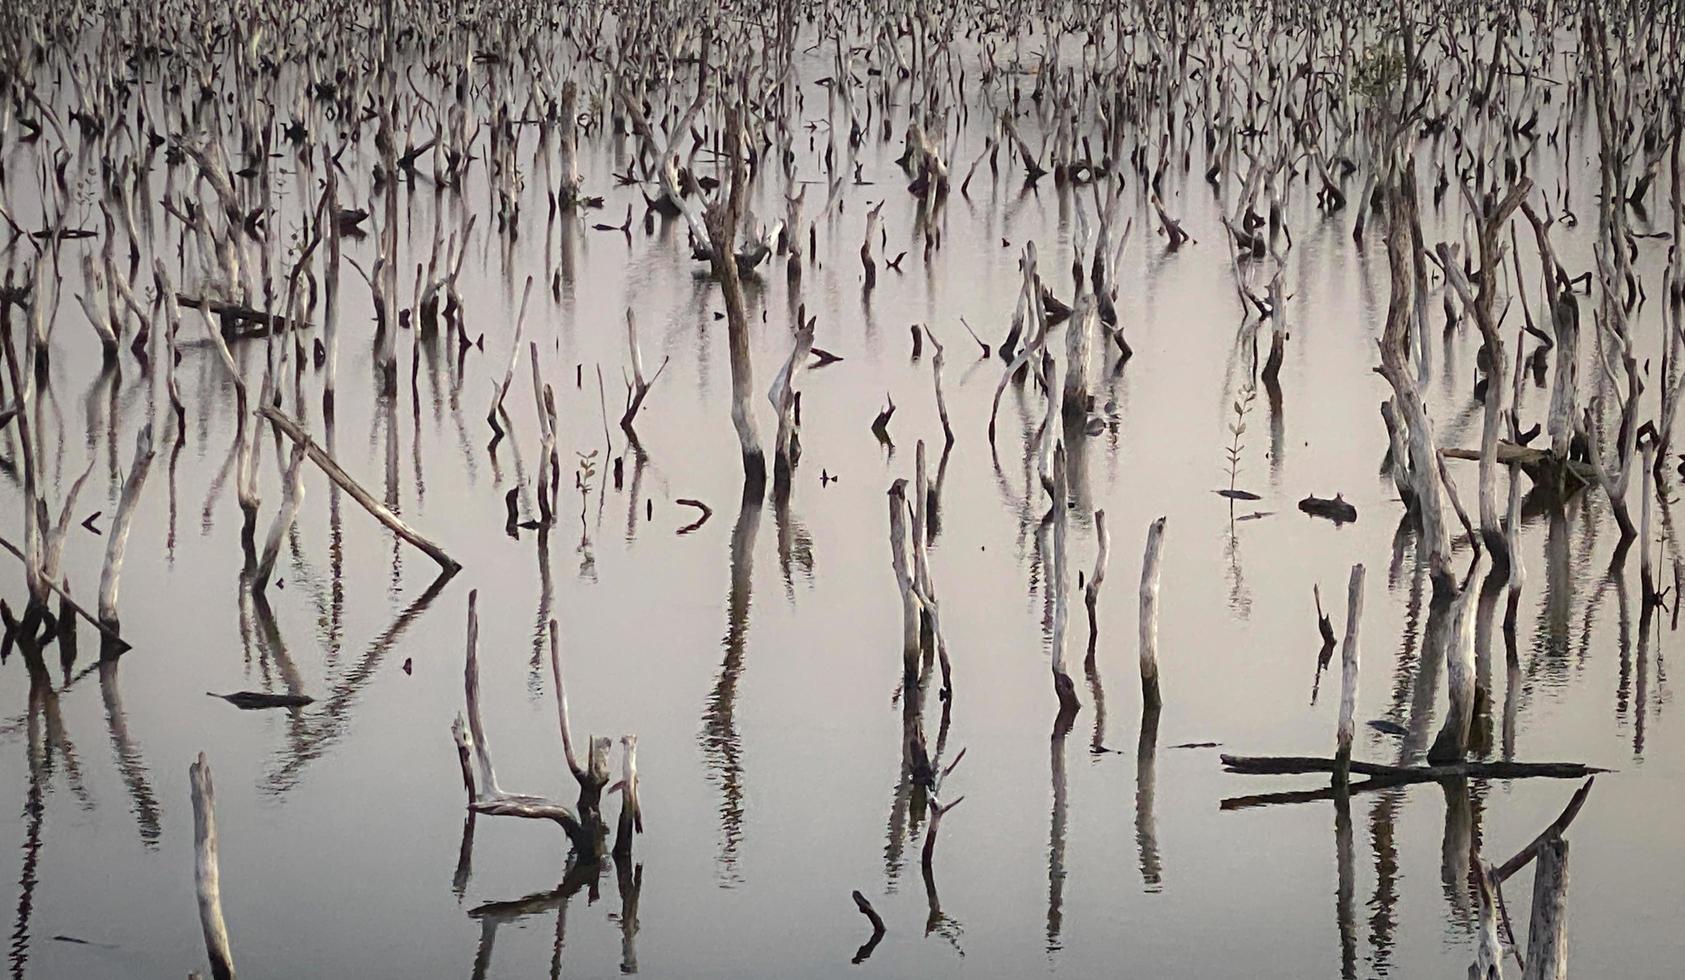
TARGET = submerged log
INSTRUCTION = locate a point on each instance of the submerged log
(1150, 697)
(239, 320)
(1335, 509)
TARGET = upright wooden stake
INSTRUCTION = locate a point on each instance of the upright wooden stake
(118, 543)
(1150, 698)
(1452, 743)
(1348, 679)
(207, 880)
(1547, 934)
(1091, 592)
(904, 581)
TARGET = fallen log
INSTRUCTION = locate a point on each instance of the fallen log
(257, 322)
(113, 643)
(1277, 765)
(249, 700)
(319, 456)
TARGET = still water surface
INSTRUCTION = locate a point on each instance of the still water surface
(757, 658)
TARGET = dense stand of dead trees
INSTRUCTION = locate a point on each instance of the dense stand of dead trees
(1300, 96)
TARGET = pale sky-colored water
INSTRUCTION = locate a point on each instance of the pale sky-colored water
(759, 677)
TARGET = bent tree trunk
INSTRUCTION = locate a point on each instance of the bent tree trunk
(721, 220)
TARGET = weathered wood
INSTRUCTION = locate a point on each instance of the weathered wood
(1488, 951)
(631, 811)
(782, 395)
(252, 700)
(1079, 333)
(464, 756)
(292, 499)
(937, 361)
(638, 387)
(1547, 934)
(582, 824)
(904, 581)
(1452, 743)
(207, 878)
(1058, 582)
(1150, 694)
(1347, 729)
(118, 540)
(292, 430)
(1277, 765)
(1557, 828)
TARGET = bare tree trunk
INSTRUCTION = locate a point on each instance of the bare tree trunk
(119, 539)
(1348, 680)
(1547, 934)
(1452, 743)
(207, 880)
(1150, 697)
(722, 221)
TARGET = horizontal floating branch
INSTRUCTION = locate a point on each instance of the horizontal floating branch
(1279, 765)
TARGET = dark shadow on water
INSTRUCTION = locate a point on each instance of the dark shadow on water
(1146, 778)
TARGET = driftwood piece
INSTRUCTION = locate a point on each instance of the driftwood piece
(1150, 696)
(1348, 679)
(1557, 828)
(1547, 933)
(117, 543)
(112, 642)
(343, 480)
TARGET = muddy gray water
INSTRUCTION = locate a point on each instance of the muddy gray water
(757, 658)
